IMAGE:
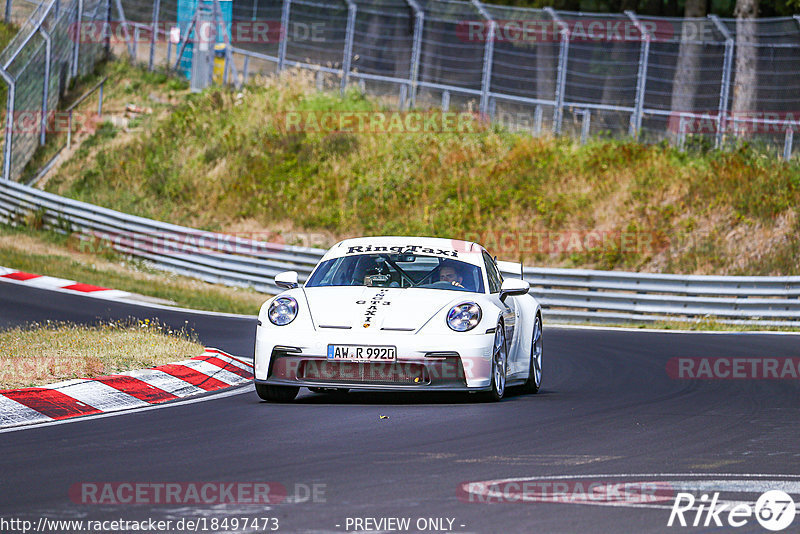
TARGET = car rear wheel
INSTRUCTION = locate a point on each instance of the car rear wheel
(534, 381)
(276, 393)
(499, 364)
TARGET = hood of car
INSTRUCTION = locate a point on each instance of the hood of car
(377, 308)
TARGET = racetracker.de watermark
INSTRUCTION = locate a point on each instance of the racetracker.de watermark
(515, 244)
(577, 491)
(733, 368)
(190, 243)
(381, 122)
(753, 122)
(548, 31)
(177, 493)
(194, 493)
(30, 122)
(239, 32)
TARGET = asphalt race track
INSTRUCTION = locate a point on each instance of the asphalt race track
(607, 407)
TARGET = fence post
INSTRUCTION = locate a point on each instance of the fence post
(682, 131)
(100, 99)
(725, 84)
(787, 143)
(12, 89)
(287, 4)
(135, 43)
(561, 78)
(537, 120)
(348, 42)
(48, 50)
(185, 40)
(488, 55)
(641, 76)
(445, 100)
(125, 28)
(77, 48)
(8, 11)
(154, 33)
(416, 48)
(585, 125)
(107, 30)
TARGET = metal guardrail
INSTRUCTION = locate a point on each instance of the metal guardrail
(213, 257)
(569, 294)
(611, 296)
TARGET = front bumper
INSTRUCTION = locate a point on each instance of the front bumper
(438, 362)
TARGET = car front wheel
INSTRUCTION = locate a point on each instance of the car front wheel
(534, 381)
(499, 364)
(276, 393)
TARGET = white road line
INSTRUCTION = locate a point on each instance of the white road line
(214, 396)
(101, 396)
(139, 303)
(62, 384)
(14, 413)
(164, 381)
(233, 361)
(48, 282)
(108, 294)
(214, 371)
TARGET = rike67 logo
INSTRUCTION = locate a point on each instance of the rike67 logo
(774, 510)
(689, 502)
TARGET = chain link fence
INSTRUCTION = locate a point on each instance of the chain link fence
(707, 82)
(36, 68)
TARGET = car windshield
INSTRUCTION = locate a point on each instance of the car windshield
(398, 270)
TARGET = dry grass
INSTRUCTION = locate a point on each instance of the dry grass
(41, 354)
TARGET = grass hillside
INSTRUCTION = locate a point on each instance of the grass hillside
(224, 160)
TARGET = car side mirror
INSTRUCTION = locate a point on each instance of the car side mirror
(513, 287)
(287, 280)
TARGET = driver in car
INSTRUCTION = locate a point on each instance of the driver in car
(450, 274)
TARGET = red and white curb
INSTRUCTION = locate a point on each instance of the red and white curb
(213, 370)
(49, 282)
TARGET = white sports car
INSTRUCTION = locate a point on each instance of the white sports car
(400, 313)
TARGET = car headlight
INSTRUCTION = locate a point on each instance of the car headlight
(463, 317)
(282, 311)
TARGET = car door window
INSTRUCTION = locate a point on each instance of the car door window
(493, 274)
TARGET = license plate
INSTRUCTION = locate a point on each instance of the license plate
(362, 353)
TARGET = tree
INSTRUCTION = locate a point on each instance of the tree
(744, 88)
(684, 84)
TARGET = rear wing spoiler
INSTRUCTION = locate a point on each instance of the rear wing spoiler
(511, 268)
